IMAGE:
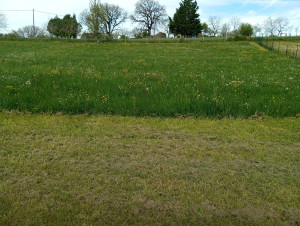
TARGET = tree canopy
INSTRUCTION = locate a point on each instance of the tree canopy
(148, 13)
(29, 32)
(3, 23)
(112, 16)
(186, 19)
(246, 29)
(68, 27)
(103, 18)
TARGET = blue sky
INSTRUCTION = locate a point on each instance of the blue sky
(251, 11)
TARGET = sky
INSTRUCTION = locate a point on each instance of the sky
(250, 11)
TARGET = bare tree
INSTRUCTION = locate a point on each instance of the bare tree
(296, 30)
(139, 32)
(3, 22)
(225, 29)
(214, 23)
(30, 32)
(124, 32)
(290, 30)
(269, 26)
(112, 17)
(235, 23)
(148, 13)
(256, 30)
(165, 26)
(281, 24)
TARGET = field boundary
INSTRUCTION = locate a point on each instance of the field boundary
(280, 47)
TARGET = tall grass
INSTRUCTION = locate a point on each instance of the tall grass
(210, 79)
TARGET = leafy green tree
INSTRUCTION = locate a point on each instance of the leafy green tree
(68, 27)
(246, 29)
(103, 18)
(186, 19)
(54, 27)
(92, 18)
(205, 27)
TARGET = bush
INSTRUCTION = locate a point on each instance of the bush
(239, 37)
(11, 35)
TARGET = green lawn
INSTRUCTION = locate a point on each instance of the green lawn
(92, 170)
(207, 79)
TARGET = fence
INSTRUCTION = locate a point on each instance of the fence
(288, 48)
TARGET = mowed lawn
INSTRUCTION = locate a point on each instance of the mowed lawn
(207, 79)
(95, 170)
(291, 48)
(287, 45)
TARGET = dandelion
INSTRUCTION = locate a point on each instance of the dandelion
(104, 99)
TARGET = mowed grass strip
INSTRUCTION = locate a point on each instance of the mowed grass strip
(76, 170)
(208, 79)
(286, 47)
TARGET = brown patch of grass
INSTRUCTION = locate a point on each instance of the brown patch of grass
(124, 170)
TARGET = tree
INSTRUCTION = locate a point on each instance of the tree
(3, 22)
(54, 27)
(235, 23)
(225, 29)
(68, 27)
(147, 13)
(30, 32)
(214, 23)
(246, 29)
(281, 24)
(92, 18)
(205, 28)
(112, 16)
(166, 26)
(269, 26)
(256, 30)
(186, 19)
(139, 33)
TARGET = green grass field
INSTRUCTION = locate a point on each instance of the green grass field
(79, 144)
(207, 79)
(95, 170)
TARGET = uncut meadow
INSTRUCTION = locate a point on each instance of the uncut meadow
(201, 79)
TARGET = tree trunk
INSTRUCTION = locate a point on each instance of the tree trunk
(98, 38)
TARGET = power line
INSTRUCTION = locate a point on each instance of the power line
(12, 10)
(33, 13)
(16, 10)
(48, 13)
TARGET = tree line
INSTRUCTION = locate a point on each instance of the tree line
(103, 19)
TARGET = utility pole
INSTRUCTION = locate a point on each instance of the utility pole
(33, 22)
